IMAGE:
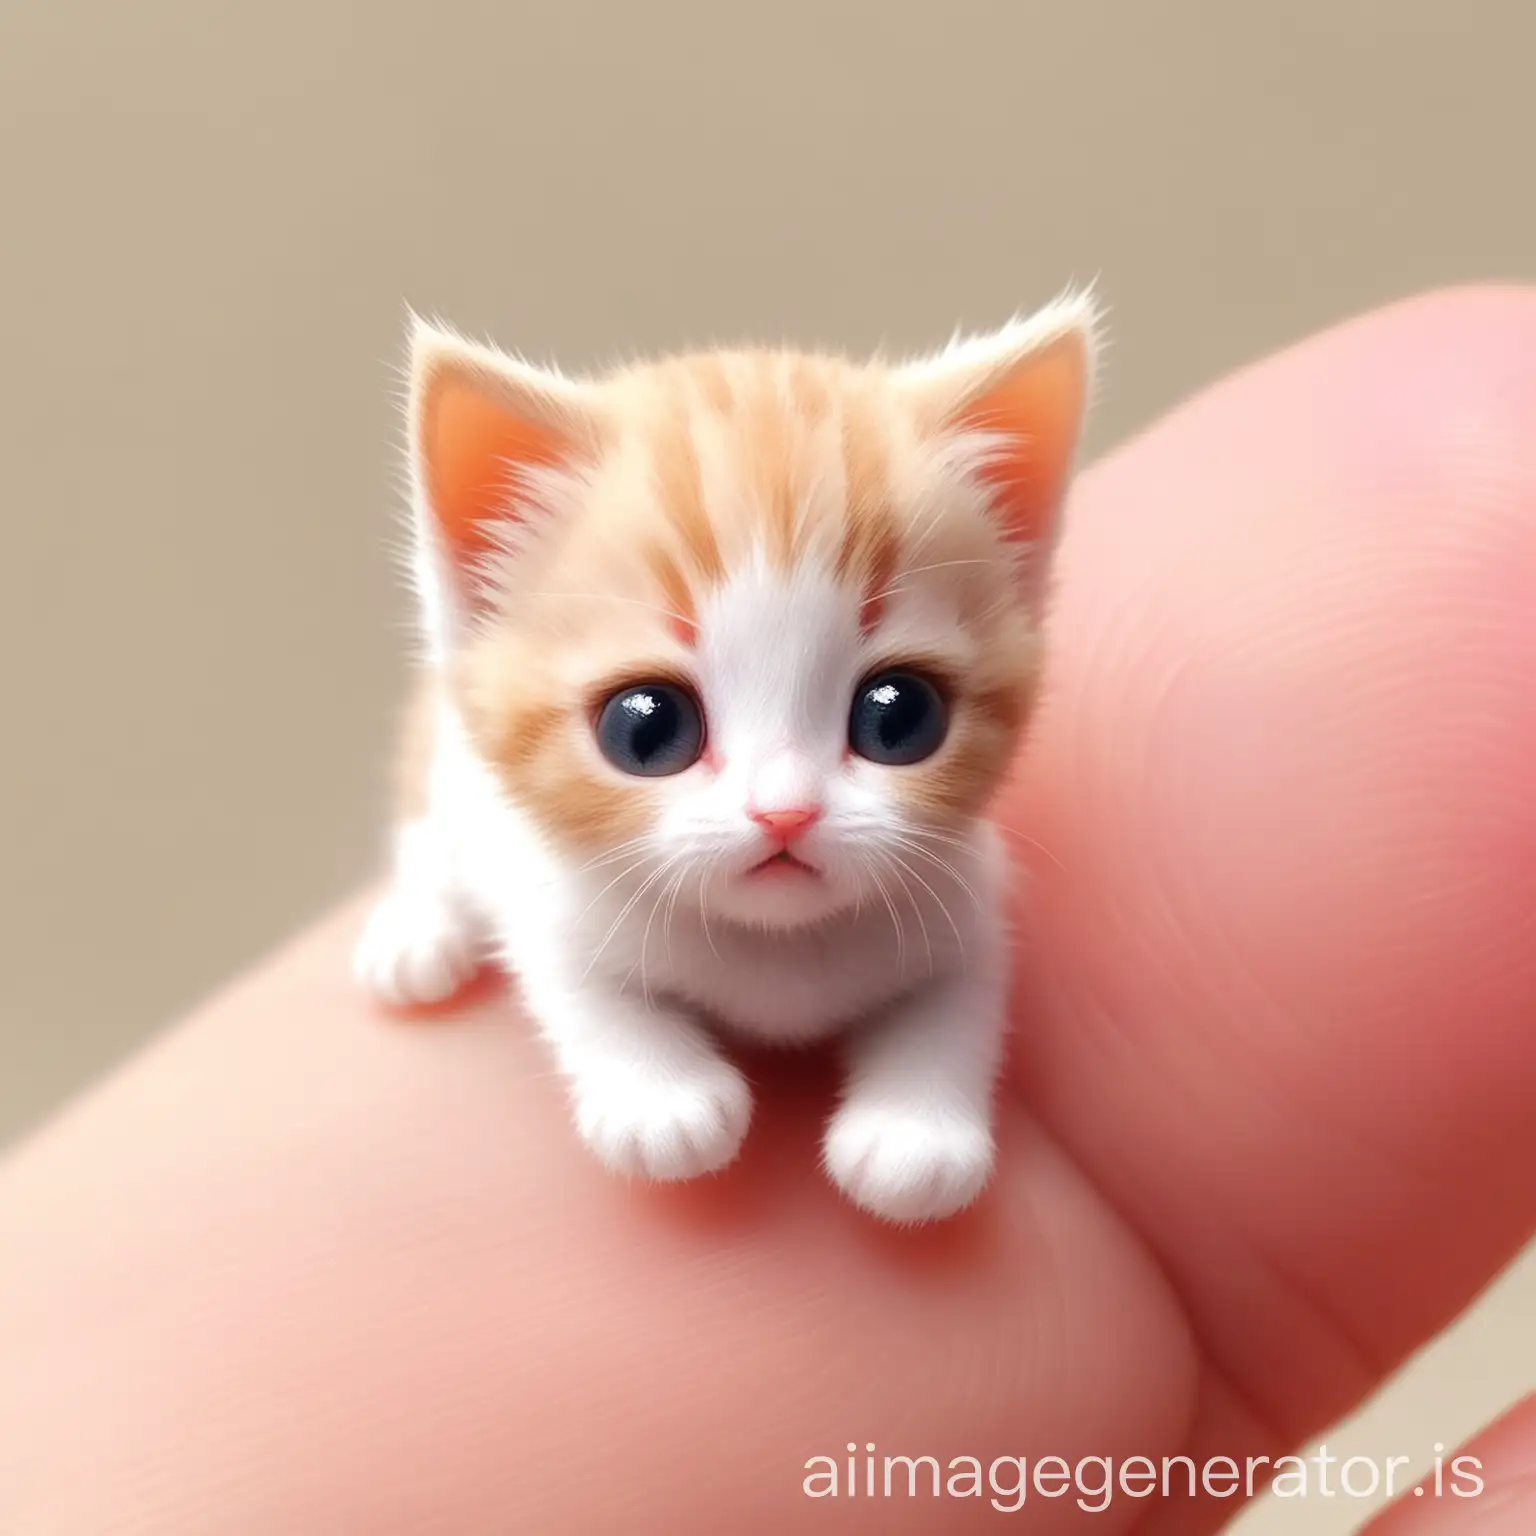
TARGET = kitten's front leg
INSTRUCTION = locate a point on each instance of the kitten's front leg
(652, 1092)
(423, 940)
(912, 1140)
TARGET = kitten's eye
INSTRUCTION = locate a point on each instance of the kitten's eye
(897, 718)
(651, 729)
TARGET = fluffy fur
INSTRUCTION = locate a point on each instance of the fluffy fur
(765, 529)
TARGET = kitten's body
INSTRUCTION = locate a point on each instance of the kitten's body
(768, 530)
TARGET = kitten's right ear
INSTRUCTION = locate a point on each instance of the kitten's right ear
(1026, 387)
(482, 425)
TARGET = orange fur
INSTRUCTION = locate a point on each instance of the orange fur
(680, 489)
(870, 546)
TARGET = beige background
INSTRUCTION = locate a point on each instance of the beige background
(212, 215)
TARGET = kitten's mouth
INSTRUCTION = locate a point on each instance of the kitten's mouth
(783, 863)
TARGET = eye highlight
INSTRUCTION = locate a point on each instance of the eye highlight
(898, 718)
(650, 730)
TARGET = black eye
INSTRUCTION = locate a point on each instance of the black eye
(651, 729)
(897, 718)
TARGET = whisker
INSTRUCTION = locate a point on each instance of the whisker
(901, 942)
(618, 877)
(614, 854)
(917, 911)
(666, 925)
(645, 940)
(939, 863)
(624, 912)
(948, 916)
(1007, 831)
(1031, 842)
(941, 837)
(709, 938)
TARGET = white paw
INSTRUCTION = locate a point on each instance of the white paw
(907, 1164)
(664, 1123)
(416, 948)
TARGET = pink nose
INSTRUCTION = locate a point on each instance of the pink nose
(787, 824)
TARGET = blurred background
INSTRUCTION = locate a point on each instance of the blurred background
(214, 215)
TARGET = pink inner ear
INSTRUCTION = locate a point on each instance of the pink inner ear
(472, 447)
(1039, 408)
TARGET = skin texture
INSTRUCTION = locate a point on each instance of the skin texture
(1268, 1125)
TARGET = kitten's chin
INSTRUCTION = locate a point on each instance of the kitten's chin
(786, 900)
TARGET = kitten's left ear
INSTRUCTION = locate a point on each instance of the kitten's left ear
(483, 427)
(480, 420)
(1024, 390)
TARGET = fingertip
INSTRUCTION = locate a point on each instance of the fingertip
(1485, 1488)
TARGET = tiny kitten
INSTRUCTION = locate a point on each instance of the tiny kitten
(724, 657)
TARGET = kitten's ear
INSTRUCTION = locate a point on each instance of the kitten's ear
(482, 427)
(1024, 390)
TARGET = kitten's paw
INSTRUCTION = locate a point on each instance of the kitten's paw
(416, 948)
(665, 1123)
(908, 1165)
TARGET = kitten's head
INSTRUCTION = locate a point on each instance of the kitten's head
(764, 624)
